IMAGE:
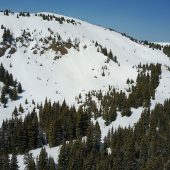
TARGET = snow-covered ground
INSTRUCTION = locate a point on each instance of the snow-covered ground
(78, 71)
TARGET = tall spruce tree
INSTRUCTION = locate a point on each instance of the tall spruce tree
(29, 162)
(14, 162)
(43, 160)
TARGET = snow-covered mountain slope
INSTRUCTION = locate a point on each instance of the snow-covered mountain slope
(44, 72)
(34, 64)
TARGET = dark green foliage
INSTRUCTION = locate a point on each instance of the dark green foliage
(21, 135)
(13, 94)
(21, 109)
(63, 158)
(26, 101)
(9, 85)
(14, 162)
(130, 37)
(24, 14)
(166, 50)
(97, 136)
(62, 123)
(110, 55)
(43, 160)
(19, 89)
(144, 90)
(104, 51)
(15, 112)
(154, 46)
(3, 98)
(5, 77)
(144, 146)
(4, 161)
(61, 20)
(51, 164)
(29, 162)
(140, 94)
(6, 12)
(7, 36)
(107, 53)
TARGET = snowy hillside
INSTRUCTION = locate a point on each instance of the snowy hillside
(79, 71)
(76, 68)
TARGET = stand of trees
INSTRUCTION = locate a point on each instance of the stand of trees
(20, 136)
(11, 87)
(61, 20)
(166, 50)
(7, 36)
(62, 123)
(140, 95)
(107, 53)
(144, 146)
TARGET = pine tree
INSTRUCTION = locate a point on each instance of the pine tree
(97, 136)
(90, 137)
(26, 101)
(5, 162)
(21, 109)
(130, 154)
(14, 162)
(19, 90)
(13, 94)
(28, 14)
(3, 98)
(110, 55)
(43, 160)
(63, 157)
(51, 136)
(15, 112)
(51, 163)
(29, 162)
(7, 36)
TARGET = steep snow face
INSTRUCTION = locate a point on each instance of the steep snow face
(78, 71)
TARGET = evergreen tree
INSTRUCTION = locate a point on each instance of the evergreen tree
(14, 94)
(110, 55)
(14, 162)
(3, 98)
(15, 112)
(51, 163)
(21, 109)
(29, 162)
(97, 136)
(19, 90)
(7, 36)
(43, 160)
(63, 157)
(4, 162)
